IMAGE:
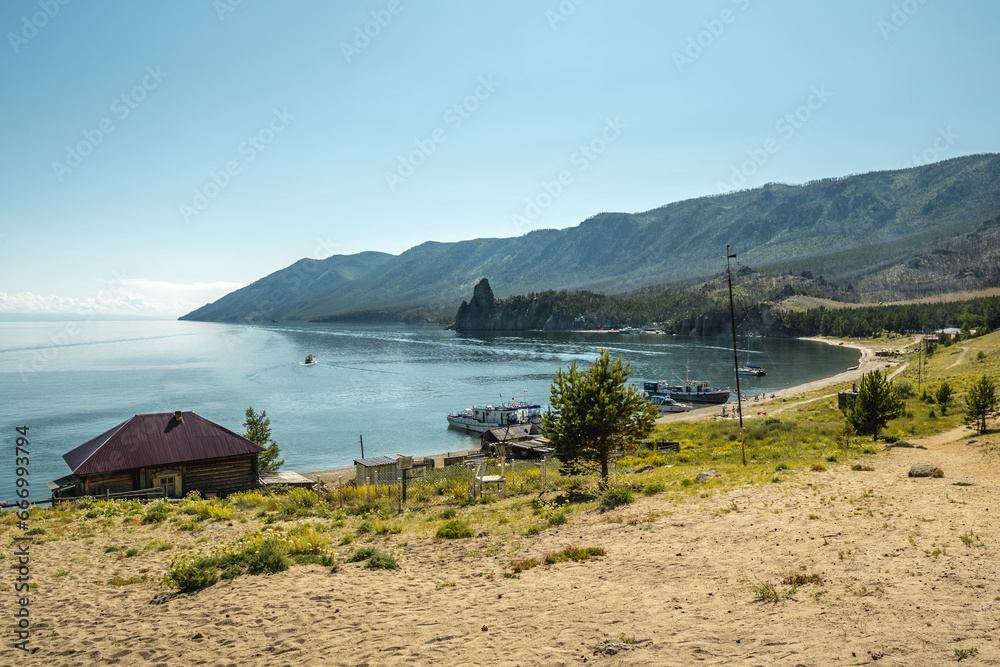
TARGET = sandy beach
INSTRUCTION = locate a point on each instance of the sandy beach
(867, 566)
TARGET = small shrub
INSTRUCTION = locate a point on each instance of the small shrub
(306, 539)
(156, 512)
(858, 466)
(576, 554)
(652, 488)
(325, 560)
(818, 467)
(764, 591)
(518, 566)
(381, 561)
(780, 467)
(796, 579)
(191, 574)
(454, 529)
(963, 653)
(618, 495)
(361, 554)
(558, 519)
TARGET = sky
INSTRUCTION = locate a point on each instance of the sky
(158, 155)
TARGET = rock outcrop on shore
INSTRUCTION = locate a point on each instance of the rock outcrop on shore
(516, 313)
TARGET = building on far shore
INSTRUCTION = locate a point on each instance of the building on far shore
(164, 454)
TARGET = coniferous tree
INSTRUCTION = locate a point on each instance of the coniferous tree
(595, 415)
(981, 402)
(258, 430)
(876, 403)
(943, 397)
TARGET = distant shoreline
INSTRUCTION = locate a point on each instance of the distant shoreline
(867, 363)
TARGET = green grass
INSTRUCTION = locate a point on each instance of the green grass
(376, 560)
(454, 529)
(570, 553)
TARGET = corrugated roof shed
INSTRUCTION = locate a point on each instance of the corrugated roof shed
(154, 440)
(373, 461)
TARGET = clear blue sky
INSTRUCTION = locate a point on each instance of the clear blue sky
(116, 115)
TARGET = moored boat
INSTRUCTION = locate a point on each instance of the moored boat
(699, 391)
(750, 369)
(481, 418)
(310, 359)
(667, 405)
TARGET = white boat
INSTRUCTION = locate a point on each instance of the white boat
(310, 359)
(750, 369)
(481, 418)
(667, 405)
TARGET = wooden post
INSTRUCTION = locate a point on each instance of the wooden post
(399, 481)
(340, 488)
(543, 474)
(368, 488)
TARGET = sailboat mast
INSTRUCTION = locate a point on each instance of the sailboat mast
(736, 359)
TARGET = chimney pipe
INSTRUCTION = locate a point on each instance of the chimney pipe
(179, 416)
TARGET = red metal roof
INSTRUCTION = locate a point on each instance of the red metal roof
(155, 440)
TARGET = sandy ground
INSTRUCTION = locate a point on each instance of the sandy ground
(908, 572)
(899, 586)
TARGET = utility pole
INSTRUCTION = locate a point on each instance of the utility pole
(736, 359)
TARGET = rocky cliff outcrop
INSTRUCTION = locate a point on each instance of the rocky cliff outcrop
(516, 313)
(477, 314)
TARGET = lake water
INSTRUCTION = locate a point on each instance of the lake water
(392, 384)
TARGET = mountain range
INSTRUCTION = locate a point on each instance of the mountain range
(857, 226)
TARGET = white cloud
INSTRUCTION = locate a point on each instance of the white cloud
(124, 297)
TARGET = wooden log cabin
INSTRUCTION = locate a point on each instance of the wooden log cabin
(172, 453)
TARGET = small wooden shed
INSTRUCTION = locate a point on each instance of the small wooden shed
(377, 470)
(173, 453)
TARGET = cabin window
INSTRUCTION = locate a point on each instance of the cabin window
(169, 486)
(169, 482)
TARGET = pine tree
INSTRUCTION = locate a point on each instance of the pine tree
(981, 402)
(258, 429)
(943, 397)
(595, 415)
(876, 403)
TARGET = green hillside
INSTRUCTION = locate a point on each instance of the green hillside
(836, 227)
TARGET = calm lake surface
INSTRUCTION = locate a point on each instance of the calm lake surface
(71, 381)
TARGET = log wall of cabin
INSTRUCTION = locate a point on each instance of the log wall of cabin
(99, 486)
(221, 477)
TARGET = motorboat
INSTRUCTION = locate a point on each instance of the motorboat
(481, 418)
(667, 405)
(698, 391)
